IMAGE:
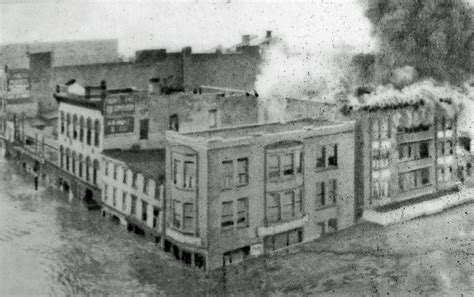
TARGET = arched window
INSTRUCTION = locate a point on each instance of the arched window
(74, 157)
(81, 129)
(68, 155)
(68, 123)
(89, 130)
(81, 165)
(61, 122)
(74, 126)
(96, 168)
(61, 156)
(88, 165)
(97, 132)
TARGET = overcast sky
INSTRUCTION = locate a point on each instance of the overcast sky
(143, 24)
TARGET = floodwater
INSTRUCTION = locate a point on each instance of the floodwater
(50, 245)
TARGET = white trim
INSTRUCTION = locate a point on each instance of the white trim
(265, 231)
(187, 239)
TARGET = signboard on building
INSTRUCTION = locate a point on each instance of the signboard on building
(119, 125)
(119, 113)
(18, 84)
(119, 105)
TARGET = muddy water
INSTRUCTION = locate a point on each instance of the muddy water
(50, 245)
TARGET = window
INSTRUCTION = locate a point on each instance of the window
(189, 175)
(176, 171)
(242, 213)
(106, 164)
(287, 205)
(74, 162)
(114, 196)
(177, 211)
(156, 215)
(61, 120)
(332, 158)
(144, 211)
(133, 205)
(124, 176)
(326, 193)
(97, 133)
(95, 169)
(282, 240)
(287, 164)
(124, 201)
(115, 171)
(144, 129)
(213, 118)
(106, 192)
(68, 124)
(81, 165)
(320, 194)
(227, 220)
(424, 150)
(321, 158)
(134, 180)
(449, 148)
(273, 167)
(414, 179)
(68, 155)
(332, 225)
(331, 191)
(273, 207)
(89, 131)
(174, 122)
(188, 213)
(81, 129)
(61, 156)
(242, 171)
(74, 126)
(227, 174)
(299, 162)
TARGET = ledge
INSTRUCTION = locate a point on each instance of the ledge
(186, 239)
(271, 230)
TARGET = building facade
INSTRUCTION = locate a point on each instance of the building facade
(244, 191)
(133, 190)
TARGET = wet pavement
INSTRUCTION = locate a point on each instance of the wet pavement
(50, 245)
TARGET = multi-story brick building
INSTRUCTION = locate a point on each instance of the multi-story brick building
(405, 148)
(249, 190)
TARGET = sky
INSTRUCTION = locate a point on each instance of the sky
(140, 24)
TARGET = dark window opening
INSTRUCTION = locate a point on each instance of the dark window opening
(144, 129)
(174, 122)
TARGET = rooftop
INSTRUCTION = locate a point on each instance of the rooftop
(262, 129)
(150, 162)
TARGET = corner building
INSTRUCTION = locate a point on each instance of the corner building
(249, 190)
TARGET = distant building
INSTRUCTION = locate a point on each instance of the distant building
(133, 189)
(16, 55)
(244, 191)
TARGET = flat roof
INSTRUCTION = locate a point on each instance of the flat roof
(150, 162)
(266, 128)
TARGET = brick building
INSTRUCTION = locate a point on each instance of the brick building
(405, 148)
(246, 190)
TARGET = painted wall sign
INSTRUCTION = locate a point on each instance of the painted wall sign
(119, 105)
(18, 84)
(119, 125)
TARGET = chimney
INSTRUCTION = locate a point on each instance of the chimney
(154, 86)
(269, 34)
(245, 40)
(187, 50)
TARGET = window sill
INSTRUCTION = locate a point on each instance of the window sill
(325, 207)
(183, 189)
(285, 178)
(322, 169)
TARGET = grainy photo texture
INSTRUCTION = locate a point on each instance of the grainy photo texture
(236, 148)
